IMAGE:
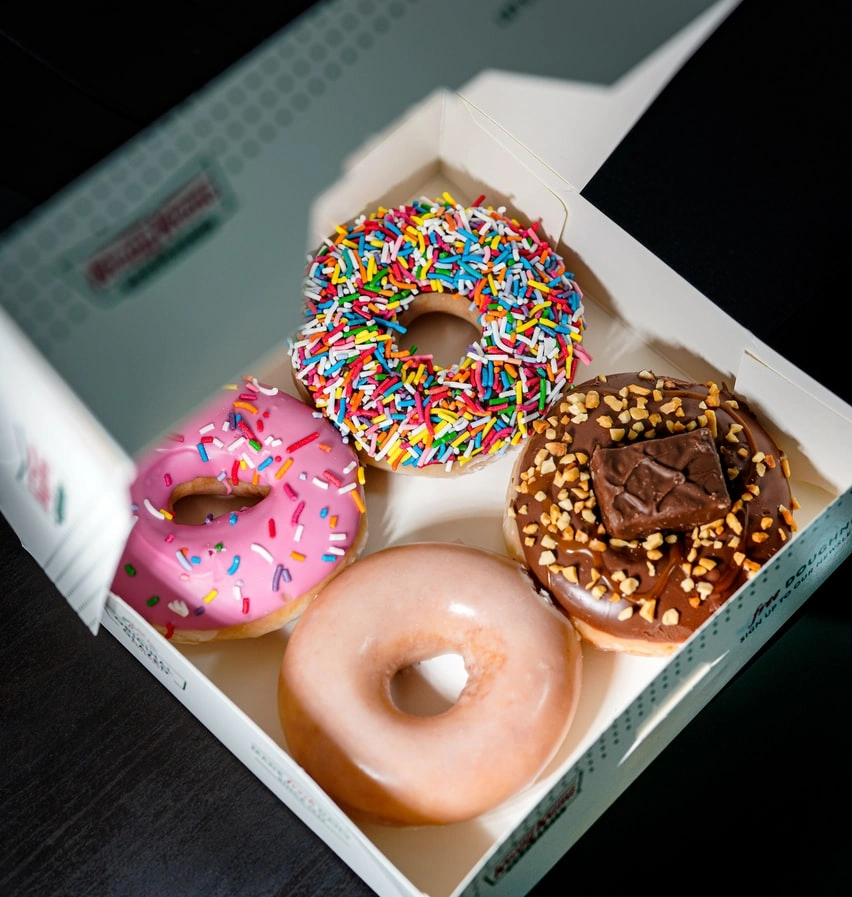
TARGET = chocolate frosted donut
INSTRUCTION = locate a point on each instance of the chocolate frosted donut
(642, 503)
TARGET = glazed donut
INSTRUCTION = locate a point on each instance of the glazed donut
(643, 503)
(389, 611)
(405, 412)
(248, 571)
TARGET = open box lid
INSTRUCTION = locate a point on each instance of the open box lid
(176, 264)
(599, 114)
(182, 253)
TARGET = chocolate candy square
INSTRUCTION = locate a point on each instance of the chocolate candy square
(673, 483)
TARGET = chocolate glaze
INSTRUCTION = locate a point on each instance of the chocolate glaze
(674, 483)
(660, 585)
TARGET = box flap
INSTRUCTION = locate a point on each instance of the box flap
(601, 114)
(441, 138)
(64, 483)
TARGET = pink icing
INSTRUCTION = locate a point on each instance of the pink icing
(244, 564)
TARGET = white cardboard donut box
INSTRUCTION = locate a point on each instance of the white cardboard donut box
(164, 240)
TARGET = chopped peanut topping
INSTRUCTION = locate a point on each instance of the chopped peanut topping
(647, 610)
(653, 541)
(671, 617)
(629, 585)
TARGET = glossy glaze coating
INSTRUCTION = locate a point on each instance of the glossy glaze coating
(649, 593)
(407, 604)
(252, 568)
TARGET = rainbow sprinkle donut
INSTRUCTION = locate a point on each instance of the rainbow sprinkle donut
(380, 272)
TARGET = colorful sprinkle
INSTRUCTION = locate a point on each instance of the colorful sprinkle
(294, 520)
(182, 560)
(283, 468)
(302, 442)
(266, 390)
(156, 512)
(276, 577)
(332, 478)
(259, 549)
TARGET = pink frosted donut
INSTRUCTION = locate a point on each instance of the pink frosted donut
(391, 610)
(252, 569)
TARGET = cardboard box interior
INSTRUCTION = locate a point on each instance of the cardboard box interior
(629, 298)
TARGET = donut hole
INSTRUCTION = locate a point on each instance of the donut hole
(429, 687)
(442, 326)
(203, 499)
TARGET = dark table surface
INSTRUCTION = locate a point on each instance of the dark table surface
(734, 177)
